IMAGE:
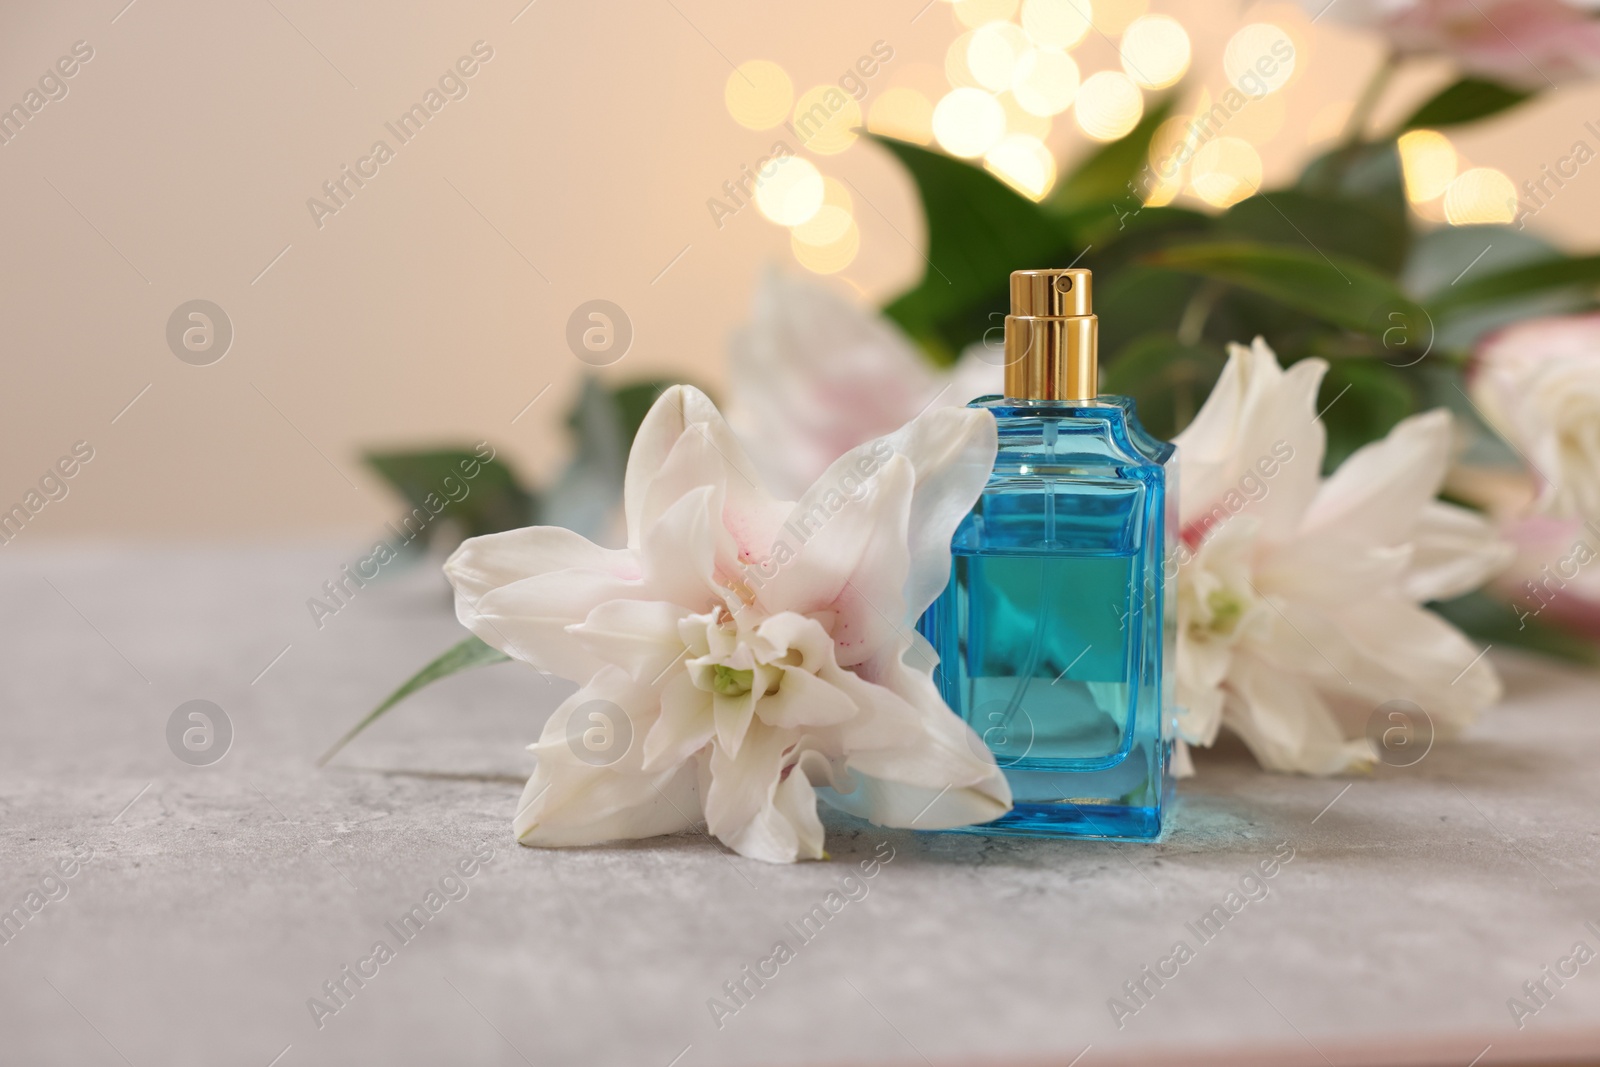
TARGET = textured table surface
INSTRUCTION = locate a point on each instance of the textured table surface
(219, 899)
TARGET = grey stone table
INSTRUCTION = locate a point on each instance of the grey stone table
(218, 900)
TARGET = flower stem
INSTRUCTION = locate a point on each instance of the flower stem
(1361, 111)
(1192, 326)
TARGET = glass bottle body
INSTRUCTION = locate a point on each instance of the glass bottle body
(1055, 632)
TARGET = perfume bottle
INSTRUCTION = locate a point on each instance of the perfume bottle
(1055, 634)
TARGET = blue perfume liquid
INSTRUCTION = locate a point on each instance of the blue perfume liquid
(1055, 632)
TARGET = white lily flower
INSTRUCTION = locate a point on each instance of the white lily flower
(813, 375)
(742, 650)
(1300, 597)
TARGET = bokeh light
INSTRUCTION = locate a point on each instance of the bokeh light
(791, 192)
(956, 69)
(1259, 59)
(825, 119)
(1108, 105)
(974, 13)
(1046, 81)
(1165, 179)
(1155, 51)
(1024, 163)
(1162, 193)
(1020, 121)
(1111, 17)
(1056, 23)
(828, 225)
(968, 122)
(831, 257)
(1428, 161)
(758, 94)
(1262, 120)
(1224, 171)
(902, 113)
(992, 54)
(832, 219)
(1480, 195)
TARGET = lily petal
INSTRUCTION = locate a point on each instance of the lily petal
(1457, 550)
(942, 775)
(640, 636)
(743, 788)
(854, 564)
(678, 550)
(679, 411)
(1257, 414)
(1411, 653)
(952, 452)
(787, 828)
(920, 483)
(1287, 725)
(1382, 489)
(520, 590)
(733, 716)
(685, 727)
(805, 700)
(571, 802)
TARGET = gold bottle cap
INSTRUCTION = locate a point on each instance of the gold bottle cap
(1052, 337)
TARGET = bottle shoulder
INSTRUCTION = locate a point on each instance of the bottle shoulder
(1105, 429)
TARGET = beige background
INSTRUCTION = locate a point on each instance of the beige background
(180, 163)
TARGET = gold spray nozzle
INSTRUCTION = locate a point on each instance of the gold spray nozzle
(1052, 336)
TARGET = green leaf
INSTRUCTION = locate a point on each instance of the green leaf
(1369, 172)
(1240, 314)
(462, 657)
(1446, 256)
(1136, 301)
(1168, 379)
(494, 499)
(1519, 281)
(1114, 239)
(1449, 256)
(979, 231)
(1112, 175)
(1467, 100)
(1340, 225)
(1329, 287)
(1496, 622)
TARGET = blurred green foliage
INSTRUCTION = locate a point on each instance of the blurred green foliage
(1330, 265)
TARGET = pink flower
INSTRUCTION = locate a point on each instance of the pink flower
(813, 375)
(1555, 577)
(1554, 574)
(1537, 383)
(1522, 42)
